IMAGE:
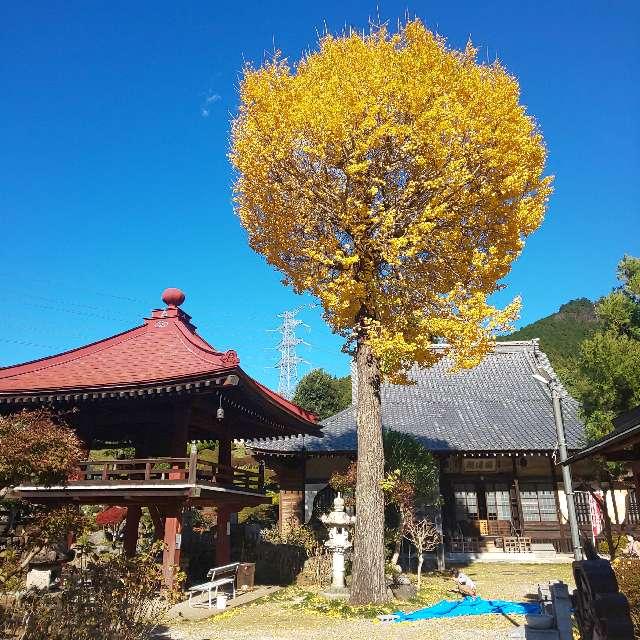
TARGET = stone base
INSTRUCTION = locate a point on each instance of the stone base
(404, 591)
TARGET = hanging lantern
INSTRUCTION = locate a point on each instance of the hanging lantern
(220, 411)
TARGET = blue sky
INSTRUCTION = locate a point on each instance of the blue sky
(114, 181)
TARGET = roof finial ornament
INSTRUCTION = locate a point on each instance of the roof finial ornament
(173, 297)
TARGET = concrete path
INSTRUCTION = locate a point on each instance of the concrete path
(183, 611)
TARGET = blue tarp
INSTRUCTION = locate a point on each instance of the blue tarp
(468, 607)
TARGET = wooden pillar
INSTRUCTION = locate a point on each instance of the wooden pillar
(131, 525)
(516, 504)
(172, 543)
(224, 451)
(447, 493)
(224, 475)
(179, 437)
(291, 504)
(223, 539)
(440, 556)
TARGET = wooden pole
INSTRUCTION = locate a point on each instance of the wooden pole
(225, 474)
(291, 503)
(440, 556)
(517, 516)
(193, 463)
(172, 544)
(223, 539)
(179, 438)
(131, 526)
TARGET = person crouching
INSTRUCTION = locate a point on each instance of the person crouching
(466, 586)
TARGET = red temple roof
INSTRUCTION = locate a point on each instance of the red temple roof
(165, 348)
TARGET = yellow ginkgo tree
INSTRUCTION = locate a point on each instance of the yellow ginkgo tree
(395, 179)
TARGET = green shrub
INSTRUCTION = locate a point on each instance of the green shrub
(276, 563)
(619, 542)
(297, 554)
(108, 597)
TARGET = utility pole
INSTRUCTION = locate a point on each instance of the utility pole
(289, 359)
(553, 385)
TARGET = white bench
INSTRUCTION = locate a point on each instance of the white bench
(218, 577)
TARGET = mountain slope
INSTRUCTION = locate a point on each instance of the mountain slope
(562, 332)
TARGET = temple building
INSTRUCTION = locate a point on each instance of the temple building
(155, 389)
(492, 431)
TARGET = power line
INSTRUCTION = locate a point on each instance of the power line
(289, 359)
(66, 286)
(63, 300)
(27, 343)
(87, 314)
(45, 327)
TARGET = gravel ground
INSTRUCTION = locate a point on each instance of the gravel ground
(271, 623)
(279, 619)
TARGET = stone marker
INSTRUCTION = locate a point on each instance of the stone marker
(39, 579)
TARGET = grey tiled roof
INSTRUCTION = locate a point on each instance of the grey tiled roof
(498, 406)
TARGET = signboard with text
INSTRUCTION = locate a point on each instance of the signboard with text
(478, 465)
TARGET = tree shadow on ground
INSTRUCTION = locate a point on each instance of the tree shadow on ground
(515, 623)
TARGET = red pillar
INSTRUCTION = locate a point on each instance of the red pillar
(172, 536)
(223, 540)
(131, 525)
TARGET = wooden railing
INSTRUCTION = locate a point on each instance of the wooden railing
(206, 471)
(191, 470)
(139, 469)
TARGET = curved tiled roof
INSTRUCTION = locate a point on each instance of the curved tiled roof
(497, 406)
(166, 348)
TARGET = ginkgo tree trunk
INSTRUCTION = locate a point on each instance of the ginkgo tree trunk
(395, 179)
(368, 582)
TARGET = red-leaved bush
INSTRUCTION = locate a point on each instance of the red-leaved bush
(37, 446)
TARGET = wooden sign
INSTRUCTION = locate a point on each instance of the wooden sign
(479, 465)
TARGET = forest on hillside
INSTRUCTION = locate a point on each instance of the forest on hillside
(561, 334)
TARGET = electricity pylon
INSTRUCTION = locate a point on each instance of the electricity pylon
(289, 359)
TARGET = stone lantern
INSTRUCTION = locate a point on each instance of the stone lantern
(338, 522)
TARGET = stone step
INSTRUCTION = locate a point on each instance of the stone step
(535, 634)
(543, 549)
(500, 556)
